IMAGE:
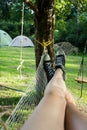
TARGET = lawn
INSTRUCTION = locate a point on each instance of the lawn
(10, 76)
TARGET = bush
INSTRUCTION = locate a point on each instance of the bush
(14, 28)
(75, 33)
(60, 33)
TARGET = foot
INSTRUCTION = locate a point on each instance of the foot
(60, 62)
(48, 67)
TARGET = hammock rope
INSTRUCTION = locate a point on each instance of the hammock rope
(44, 44)
(80, 78)
(21, 43)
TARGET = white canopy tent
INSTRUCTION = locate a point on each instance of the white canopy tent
(5, 38)
(21, 41)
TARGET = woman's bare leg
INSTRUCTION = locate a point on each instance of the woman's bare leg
(49, 114)
(74, 119)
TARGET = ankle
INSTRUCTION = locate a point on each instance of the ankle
(60, 63)
(61, 73)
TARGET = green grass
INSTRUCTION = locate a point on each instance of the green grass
(10, 77)
(72, 68)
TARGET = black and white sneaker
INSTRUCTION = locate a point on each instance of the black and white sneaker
(60, 62)
(48, 67)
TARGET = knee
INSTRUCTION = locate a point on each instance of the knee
(50, 89)
(54, 89)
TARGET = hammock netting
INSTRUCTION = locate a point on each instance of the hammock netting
(31, 98)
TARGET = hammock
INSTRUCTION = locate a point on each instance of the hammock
(32, 95)
(29, 100)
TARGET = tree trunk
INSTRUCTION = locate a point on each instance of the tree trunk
(44, 27)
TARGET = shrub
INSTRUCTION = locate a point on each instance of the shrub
(14, 28)
(75, 33)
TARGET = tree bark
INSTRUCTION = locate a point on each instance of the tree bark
(44, 11)
(44, 27)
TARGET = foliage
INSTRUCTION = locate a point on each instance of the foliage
(12, 22)
(73, 32)
(77, 34)
(83, 17)
(4, 10)
(13, 11)
(16, 13)
(63, 9)
(14, 28)
(67, 8)
(66, 28)
(60, 32)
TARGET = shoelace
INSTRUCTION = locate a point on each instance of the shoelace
(60, 60)
(49, 70)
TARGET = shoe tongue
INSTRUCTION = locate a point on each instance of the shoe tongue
(60, 52)
(47, 57)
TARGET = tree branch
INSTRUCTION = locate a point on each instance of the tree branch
(31, 5)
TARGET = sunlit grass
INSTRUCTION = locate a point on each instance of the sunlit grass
(72, 68)
(10, 77)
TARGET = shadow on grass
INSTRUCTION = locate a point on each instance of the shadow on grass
(9, 100)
